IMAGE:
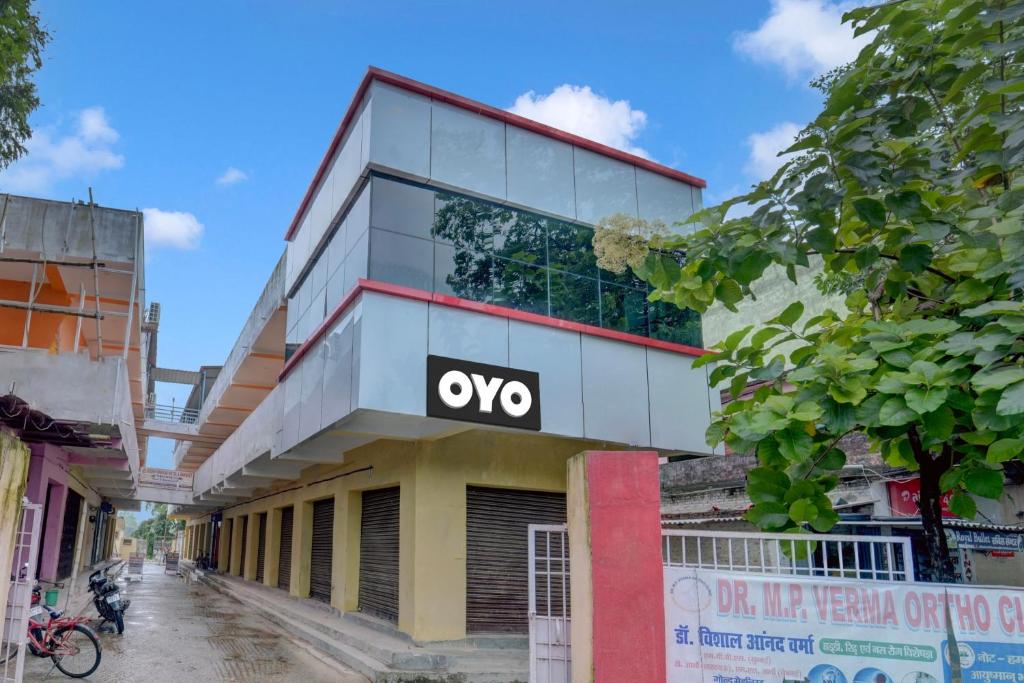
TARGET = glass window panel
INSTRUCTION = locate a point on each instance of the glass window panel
(336, 249)
(624, 279)
(463, 273)
(316, 308)
(540, 172)
(623, 309)
(318, 275)
(356, 263)
(358, 219)
(401, 207)
(465, 222)
(401, 259)
(574, 298)
(521, 286)
(521, 237)
(335, 289)
(467, 150)
(674, 324)
(303, 296)
(603, 186)
(571, 248)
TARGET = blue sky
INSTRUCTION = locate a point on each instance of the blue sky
(152, 104)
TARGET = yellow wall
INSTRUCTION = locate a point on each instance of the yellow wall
(432, 528)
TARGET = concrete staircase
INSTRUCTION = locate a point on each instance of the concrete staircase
(374, 649)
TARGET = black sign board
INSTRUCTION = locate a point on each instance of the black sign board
(488, 394)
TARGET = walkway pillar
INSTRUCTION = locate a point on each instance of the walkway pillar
(14, 465)
(618, 609)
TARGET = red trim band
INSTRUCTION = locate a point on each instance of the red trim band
(403, 292)
(373, 73)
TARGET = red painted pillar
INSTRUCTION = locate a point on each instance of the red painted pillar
(618, 609)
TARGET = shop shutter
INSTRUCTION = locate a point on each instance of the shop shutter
(378, 554)
(322, 549)
(68, 534)
(261, 546)
(284, 557)
(497, 561)
(245, 533)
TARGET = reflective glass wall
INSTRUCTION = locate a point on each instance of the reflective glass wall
(454, 244)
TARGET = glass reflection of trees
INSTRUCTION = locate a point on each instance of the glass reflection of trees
(521, 260)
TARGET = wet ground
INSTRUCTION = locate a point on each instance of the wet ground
(183, 634)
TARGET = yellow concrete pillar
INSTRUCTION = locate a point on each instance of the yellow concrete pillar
(235, 564)
(224, 546)
(302, 546)
(252, 535)
(339, 543)
(347, 582)
(273, 552)
(433, 544)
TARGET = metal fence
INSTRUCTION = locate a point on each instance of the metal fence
(26, 550)
(171, 413)
(867, 558)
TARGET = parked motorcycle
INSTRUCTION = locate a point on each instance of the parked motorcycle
(107, 599)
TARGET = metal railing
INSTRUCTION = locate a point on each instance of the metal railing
(867, 558)
(26, 553)
(549, 610)
(171, 413)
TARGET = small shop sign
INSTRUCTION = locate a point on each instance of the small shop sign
(487, 394)
(165, 479)
(984, 539)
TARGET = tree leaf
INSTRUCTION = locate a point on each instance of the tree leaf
(894, 412)
(925, 399)
(871, 211)
(1003, 450)
(984, 482)
(790, 314)
(794, 445)
(940, 423)
(997, 378)
(962, 505)
(769, 516)
(904, 204)
(802, 510)
(1012, 400)
(729, 293)
(915, 258)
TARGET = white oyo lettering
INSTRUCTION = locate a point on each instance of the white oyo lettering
(451, 380)
(515, 399)
(487, 390)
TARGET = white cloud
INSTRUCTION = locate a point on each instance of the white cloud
(175, 229)
(53, 156)
(231, 176)
(804, 38)
(578, 109)
(765, 147)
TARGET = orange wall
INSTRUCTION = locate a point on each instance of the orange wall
(47, 329)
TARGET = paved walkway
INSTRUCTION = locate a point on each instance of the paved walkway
(176, 633)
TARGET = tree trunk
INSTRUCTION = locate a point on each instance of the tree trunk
(938, 563)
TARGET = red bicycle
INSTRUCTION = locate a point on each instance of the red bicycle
(73, 646)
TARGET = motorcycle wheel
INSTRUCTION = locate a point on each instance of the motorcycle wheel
(118, 621)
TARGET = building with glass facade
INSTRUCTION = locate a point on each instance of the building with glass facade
(448, 342)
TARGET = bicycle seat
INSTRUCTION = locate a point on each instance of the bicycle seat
(56, 613)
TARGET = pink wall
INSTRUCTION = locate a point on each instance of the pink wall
(49, 466)
(623, 493)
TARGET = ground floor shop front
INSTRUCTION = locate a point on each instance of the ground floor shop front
(429, 537)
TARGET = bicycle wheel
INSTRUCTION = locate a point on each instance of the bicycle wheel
(77, 651)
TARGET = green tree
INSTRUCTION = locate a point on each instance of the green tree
(907, 185)
(21, 46)
(158, 530)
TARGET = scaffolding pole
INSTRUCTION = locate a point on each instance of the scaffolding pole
(131, 297)
(95, 276)
(78, 320)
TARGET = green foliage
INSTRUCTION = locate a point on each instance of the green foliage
(21, 45)
(907, 186)
(157, 530)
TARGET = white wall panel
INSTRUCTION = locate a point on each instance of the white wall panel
(679, 402)
(470, 336)
(392, 355)
(337, 382)
(399, 130)
(555, 355)
(312, 391)
(615, 404)
(292, 405)
(467, 150)
(603, 186)
(540, 173)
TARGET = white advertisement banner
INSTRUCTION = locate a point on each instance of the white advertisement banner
(724, 627)
(167, 479)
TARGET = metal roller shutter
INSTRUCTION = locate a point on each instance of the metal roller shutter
(322, 549)
(284, 558)
(68, 534)
(497, 563)
(378, 554)
(245, 532)
(261, 546)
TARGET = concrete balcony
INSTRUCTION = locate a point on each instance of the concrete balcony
(87, 402)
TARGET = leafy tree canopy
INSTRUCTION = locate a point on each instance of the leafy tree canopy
(907, 185)
(21, 45)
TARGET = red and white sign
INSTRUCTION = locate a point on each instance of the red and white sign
(165, 479)
(904, 497)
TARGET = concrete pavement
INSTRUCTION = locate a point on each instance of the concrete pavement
(175, 633)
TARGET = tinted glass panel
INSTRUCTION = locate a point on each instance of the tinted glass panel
(623, 309)
(401, 259)
(463, 273)
(466, 222)
(571, 248)
(520, 286)
(574, 298)
(670, 323)
(401, 207)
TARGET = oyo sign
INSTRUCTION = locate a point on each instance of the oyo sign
(488, 394)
